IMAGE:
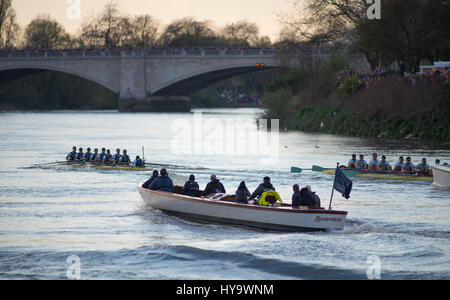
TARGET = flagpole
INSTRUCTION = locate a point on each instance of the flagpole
(332, 189)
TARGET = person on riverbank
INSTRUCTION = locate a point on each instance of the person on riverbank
(361, 163)
(213, 187)
(263, 187)
(162, 183)
(191, 187)
(146, 184)
(408, 166)
(384, 165)
(373, 164)
(71, 155)
(242, 193)
(399, 165)
(423, 168)
(352, 162)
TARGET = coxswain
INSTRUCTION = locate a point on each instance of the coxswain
(138, 162)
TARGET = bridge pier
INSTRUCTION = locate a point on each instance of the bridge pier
(155, 104)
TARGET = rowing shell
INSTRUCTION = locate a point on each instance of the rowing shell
(387, 176)
(110, 168)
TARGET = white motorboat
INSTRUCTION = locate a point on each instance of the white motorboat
(441, 176)
(221, 208)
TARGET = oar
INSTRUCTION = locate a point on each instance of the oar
(298, 170)
(51, 163)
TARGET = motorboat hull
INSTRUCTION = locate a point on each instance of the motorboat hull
(268, 218)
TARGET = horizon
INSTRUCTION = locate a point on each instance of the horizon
(221, 14)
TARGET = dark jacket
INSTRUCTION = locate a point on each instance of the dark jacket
(213, 187)
(306, 198)
(263, 187)
(316, 200)
(191, 188)
(162, 183)
(296, 199)
(146, 184)
(242, 193)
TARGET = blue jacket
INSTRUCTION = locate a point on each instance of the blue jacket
(162, 183)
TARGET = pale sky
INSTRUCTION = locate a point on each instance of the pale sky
(262, 12)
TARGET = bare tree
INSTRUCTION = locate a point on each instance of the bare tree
(45, 33)
(145, 31)
(9, 29)
(241, 32)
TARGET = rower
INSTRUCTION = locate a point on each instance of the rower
(423, 168)
(373, 164)
(138, 162)
(437, 162)
(352, 162)
(87, 155)
(96, 157)
(384, 165)
(408, 167)
(99, 157)
(116, 157)
(124, 159)
(361, 163)
(71, 155)
(79, 156)
(399, 165)
(107, 158)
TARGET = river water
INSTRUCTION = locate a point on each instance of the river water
(50, 212)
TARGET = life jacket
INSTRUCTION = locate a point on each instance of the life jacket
(72, 155)
(262, 200)
(87, 156)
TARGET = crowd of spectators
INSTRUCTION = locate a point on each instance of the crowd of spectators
(369, 78)
(366, 79)
(239, 96)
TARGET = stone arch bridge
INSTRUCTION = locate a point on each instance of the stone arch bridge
(145, 75)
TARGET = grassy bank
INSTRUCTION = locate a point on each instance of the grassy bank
(393, 108)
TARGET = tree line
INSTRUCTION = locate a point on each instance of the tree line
(408, 31)
(114, 29)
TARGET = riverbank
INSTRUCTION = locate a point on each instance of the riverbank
(391, 108)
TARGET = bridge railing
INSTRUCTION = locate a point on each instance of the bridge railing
(169, 52)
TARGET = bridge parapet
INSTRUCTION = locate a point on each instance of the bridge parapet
(171, 52)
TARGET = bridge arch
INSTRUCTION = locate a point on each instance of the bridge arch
(10, 73)
(188, 84)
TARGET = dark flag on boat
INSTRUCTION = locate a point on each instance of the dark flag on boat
(342, 184)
